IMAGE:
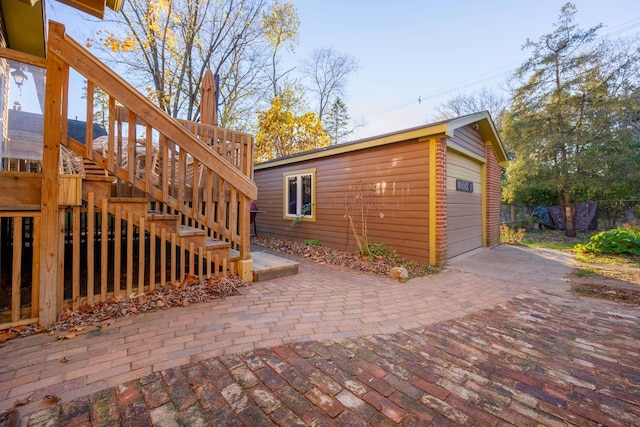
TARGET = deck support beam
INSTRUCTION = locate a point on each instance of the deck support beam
(54, 111)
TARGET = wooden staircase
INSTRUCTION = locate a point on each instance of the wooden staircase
(160, 199)
(98, 189)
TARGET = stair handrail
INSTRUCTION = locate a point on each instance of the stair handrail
(72, 53)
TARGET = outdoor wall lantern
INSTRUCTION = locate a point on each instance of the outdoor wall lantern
(19, 77)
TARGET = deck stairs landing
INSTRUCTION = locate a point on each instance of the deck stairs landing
(267, 266)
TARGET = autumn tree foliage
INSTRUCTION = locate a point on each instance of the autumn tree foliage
(280, 27)
(165, 47)
(282, 132)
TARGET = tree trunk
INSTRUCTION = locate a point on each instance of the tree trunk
(569, 215)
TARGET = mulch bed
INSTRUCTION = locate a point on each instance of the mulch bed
(380, 265)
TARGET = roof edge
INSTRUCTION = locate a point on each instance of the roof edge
(441, 129)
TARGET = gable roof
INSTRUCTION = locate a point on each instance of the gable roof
(441, 129)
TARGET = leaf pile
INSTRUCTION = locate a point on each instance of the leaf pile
(20, 331)
(631, 296)
(180, 294)
(380, 265)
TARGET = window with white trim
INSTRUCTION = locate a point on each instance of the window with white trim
(299, 189)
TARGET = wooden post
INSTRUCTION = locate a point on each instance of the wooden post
(57, 73)
(245, 264)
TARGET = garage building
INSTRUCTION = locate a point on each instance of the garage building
(430, 193)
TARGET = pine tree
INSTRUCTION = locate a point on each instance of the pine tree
(336, 122)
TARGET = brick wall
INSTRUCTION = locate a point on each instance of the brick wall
(441, 201)
(493, 197)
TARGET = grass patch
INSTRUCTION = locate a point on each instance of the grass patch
(552, 239)
(584, 290)
(620, 260)
(586, 272)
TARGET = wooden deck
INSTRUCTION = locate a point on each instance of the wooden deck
(267, 266)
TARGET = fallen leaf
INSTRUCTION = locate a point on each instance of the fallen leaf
(22, 402)
(67, 337)
(191, 279)
(64, 315)
(85, 308)
(6, 336)
(51, 399)
(76, 329)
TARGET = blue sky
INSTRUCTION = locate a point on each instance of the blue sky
(432, 50)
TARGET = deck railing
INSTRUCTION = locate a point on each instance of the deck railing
(19, 242)
(90, 251)
(201, 172)
(172, 165)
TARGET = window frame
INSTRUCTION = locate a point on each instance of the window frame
(299, 174)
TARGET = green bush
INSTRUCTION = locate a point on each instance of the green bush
(312, 242)
(622, 241)
(379, 250)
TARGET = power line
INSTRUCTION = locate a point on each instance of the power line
(492, 75)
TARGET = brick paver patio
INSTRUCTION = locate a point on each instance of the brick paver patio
(334, 347)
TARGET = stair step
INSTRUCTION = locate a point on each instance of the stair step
(267, 266)
(99, 178)
(21, 207)
(212, 243)
(186, 231)
(128, 200)
(160, 216)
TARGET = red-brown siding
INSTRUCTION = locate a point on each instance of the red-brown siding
(396, 175)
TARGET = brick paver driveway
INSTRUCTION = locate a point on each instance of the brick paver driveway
(488, 347)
